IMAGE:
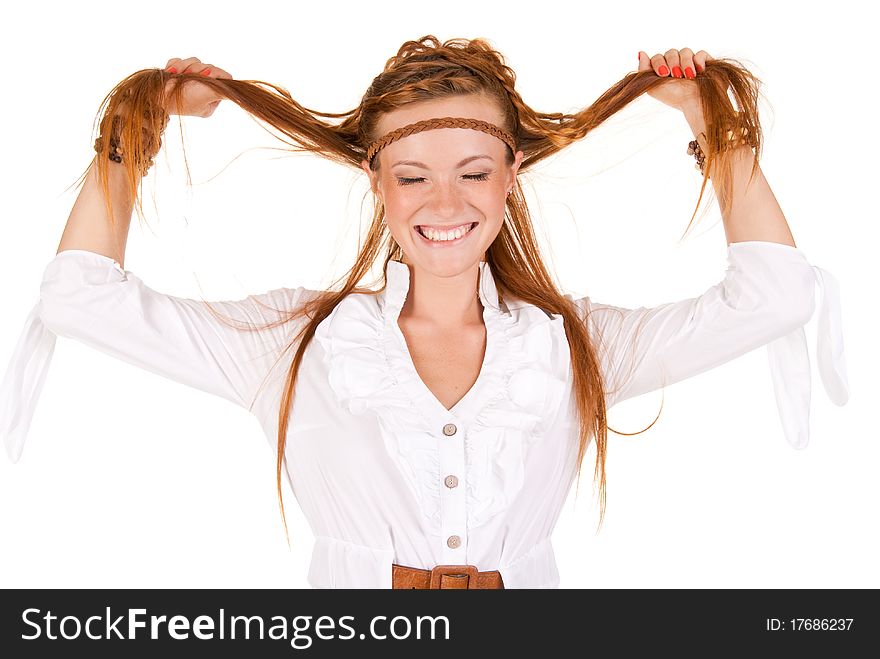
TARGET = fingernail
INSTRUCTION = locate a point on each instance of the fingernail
(206, 72)
(676, 71)
(639, 56)
(689, 72)
(171, 69)
(663, 71)
(700, 69)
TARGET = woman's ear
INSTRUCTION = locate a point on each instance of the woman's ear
(514, 168)
(373, 176)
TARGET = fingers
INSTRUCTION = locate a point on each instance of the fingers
(686, 58)
(658, 63)
(193, 99)
(178, 65)
(700, 60)
(195, 65)
(217, 72)
(675, 63)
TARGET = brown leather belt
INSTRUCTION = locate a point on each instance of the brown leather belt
(444, 576)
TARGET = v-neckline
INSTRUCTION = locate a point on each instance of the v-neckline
(397, 288)
(461, 407)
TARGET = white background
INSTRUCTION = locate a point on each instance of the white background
(130, 480)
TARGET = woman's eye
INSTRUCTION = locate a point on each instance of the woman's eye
(471, 177)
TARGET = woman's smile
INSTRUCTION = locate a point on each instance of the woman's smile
(445, 237)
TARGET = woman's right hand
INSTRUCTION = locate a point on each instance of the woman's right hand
(197, 100)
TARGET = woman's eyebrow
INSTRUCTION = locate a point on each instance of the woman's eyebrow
(416, 163)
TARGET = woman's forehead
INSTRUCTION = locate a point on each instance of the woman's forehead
(473, 106)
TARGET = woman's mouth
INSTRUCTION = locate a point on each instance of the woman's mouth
(445, 237)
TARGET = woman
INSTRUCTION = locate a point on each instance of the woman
(431, 429)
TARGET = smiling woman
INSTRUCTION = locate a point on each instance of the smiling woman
(444, 196)
(431, 428)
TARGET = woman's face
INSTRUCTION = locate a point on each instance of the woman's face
(433, 186)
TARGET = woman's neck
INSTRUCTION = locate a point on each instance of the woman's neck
(444, 302)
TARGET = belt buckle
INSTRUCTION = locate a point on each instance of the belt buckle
(468, 572)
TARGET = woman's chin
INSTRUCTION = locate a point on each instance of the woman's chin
(445, 263)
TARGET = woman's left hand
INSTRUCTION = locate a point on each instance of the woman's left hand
(681, 93)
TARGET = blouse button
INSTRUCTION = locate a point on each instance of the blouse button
(451, 481)
(453, 541)
(449, 429)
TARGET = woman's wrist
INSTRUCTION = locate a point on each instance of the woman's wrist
(110, 143)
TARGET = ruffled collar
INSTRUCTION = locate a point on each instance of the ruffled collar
(397, 276)
(518, 392)
(391, 301)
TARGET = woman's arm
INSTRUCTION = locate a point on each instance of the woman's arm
(766, 293)
(89, 226)
(91, 298)
(755, 214)
(87, 295)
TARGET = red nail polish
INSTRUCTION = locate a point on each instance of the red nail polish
(663, 71)
(689, 72)
(700, 69)
(172, 69)
(676, 71)
(206, 72)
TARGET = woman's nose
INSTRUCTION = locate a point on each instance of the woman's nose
(445, 200)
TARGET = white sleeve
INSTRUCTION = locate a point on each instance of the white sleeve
(765, 298)
(89, 297)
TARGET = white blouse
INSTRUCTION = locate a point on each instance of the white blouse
(383, 472)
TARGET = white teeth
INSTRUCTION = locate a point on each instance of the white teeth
(441, 236)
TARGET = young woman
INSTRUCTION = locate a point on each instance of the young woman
(431, 428)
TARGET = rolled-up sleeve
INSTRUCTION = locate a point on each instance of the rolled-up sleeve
(89, 297)
(765, 298)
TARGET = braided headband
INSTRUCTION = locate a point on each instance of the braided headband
(440, 122)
